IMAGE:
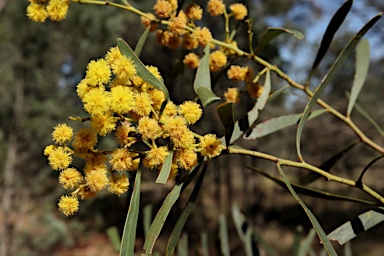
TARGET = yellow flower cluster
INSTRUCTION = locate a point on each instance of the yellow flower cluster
(119, 101)
(40, 10)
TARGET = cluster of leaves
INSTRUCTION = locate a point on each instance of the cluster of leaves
(136, 105)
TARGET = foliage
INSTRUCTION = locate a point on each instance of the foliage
(130, 105)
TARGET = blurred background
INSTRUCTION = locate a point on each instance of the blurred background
(41, 65)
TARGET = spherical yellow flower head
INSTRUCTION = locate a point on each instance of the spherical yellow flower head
(191, 60)
(163, 8)
(96, 179)
(168, 39)
(143, 104)
(148, 128)
(255, 89)
(239, 11)
(174, 4)
(217, 60)
(148, 22)
(232, 95)
(104, 124)
(124, 68)
(184, 140)
(83, 87)
(68, 205)
(98, 72)
(190, 41)
(210, 146)
(191, 111)
(174, 126)
(194, 12)
(176, 24)
(85, 140)
(158, 98)
(122, 99)
(186, 159)
(215, 7)
(97, 102)
(93, 162)
(70, 178)
(48, 150)
(85, 193)
(122, 134)
(60, 158)
(203, 35)
(170, 109)
(36, 12)
(156, 157)
(174, 172)
(118, 185)
(122, 160)
(112, 55)
(57, 9)
(237, 73)
(62, 133)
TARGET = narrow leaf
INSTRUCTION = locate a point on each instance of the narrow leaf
(147, 218)
(353, 228)
(254, 112)
(319, 230)
(226, 112)
(272, 33)
(369, 118)
(174, 237)
(306, 243)
(278, 123)
(326, 166)
(165, 169)
(164, 210)
(361, 70)
(330, 74)
(142, 70)
(304, 190)
(182, 248)
(202, 83)
(204, 244)
(223, 234)
(244, 231)
(333, 26)
(113, 234)
(129, 234)
(141, 42)
(277, 93)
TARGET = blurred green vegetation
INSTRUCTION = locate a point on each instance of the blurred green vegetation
(39, 69)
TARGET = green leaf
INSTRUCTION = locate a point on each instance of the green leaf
(305, 245)
(223, 235)
(333, 26)
(113, 234)
(147, 218)
(182, 248)
(319, 230)
(129, 235)
(278, 123)
(165, 169)
(174, 237)
(272, 33)
(311, 191)
(142, 70)
(244, 231)
(353, 228)
(277, 93)
(254, 112)
(329, 76)
(225, 112)
(369, 118)
(202, 83)
(141, 42)
(362, 64)
(204, 244)
(326, 166)
(165, 208)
